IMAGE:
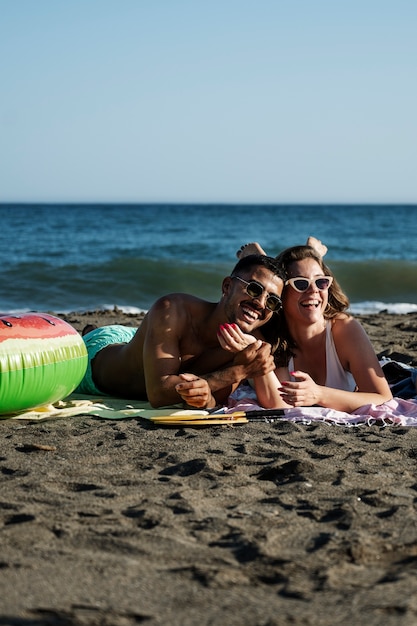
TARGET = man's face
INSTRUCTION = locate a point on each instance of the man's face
(244, 310)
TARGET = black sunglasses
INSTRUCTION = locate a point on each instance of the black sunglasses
(255, 290)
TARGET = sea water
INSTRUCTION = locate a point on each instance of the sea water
(61, 258)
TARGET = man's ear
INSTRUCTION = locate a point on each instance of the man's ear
(226, 284)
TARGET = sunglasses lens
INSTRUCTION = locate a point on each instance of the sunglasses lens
(301, 284)
(254, 290)
(322, 283)
(273, 303)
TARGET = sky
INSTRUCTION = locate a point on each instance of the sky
(235, 101)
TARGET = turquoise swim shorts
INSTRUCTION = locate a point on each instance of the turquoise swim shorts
(95, 341)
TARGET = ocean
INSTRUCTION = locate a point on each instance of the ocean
(85, 257)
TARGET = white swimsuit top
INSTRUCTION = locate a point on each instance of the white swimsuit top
(336, 376)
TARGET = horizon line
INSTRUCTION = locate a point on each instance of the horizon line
(200, 203)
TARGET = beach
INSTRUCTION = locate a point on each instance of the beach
(116, 523)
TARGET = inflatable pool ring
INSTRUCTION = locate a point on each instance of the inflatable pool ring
(42, 360)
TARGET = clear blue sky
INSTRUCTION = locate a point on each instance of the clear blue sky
(208, 101)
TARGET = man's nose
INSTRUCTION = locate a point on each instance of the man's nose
(262, 299)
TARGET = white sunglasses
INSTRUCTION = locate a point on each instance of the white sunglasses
(301, 284)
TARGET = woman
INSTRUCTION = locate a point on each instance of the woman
(327, 358)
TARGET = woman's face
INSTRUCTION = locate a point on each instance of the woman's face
(309, 305)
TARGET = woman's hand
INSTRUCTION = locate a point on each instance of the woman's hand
(195, 392)
(317, 245)
(232, 339)
(301, 392)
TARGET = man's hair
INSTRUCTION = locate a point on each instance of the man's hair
(256, 260)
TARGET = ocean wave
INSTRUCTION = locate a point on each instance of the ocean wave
(358, 308)
(138, 282)
(371, 307)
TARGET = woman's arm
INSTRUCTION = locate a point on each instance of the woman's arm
(268, 386)
(357, 356)
(269, 389)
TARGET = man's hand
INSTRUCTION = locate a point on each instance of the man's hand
(195, 392)
(256, 359)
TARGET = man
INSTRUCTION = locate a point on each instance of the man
(175, 354)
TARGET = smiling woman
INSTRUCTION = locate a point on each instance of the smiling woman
(329, 360)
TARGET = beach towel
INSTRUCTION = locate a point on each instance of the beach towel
(396, 412)
(105, 407)
(400, 411)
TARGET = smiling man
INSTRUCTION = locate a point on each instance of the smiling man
(175, 354)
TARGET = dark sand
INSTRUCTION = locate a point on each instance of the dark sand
(118, 523)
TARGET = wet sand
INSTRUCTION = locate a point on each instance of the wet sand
(118, 523)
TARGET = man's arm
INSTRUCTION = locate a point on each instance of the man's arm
(255, 360)
(167, 325)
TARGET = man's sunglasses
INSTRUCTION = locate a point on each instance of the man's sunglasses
(255, 290)
(302, 284)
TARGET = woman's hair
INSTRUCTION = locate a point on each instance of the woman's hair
(276, 330)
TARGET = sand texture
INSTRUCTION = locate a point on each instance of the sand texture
(118, 523)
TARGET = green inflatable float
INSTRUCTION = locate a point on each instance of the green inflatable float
(42, 360)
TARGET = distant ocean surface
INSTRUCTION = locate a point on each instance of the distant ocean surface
(63, 258)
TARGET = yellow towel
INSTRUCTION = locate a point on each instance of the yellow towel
(99, 406)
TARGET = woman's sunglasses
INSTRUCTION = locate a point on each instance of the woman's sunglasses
(255, 290)
(302, 284)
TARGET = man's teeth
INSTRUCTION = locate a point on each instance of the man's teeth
(250, 312)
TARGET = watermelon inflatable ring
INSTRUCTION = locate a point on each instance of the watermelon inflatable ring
(42, 360)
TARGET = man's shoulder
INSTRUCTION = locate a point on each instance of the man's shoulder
(181, 302)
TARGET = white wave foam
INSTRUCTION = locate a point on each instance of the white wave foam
(369, 307)
(133, 310)
(356, 308)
